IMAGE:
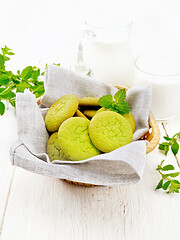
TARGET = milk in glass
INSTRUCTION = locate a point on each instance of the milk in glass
(162, 72)
(110, 59)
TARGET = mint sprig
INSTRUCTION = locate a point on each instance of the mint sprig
(118, 104)
(167, 181)
(11, 83)
(170, 143)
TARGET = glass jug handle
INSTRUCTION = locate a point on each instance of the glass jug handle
(80, 64)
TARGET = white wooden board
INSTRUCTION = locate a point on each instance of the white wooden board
(7, 136)
(48, 209)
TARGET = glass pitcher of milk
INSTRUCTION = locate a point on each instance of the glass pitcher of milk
(105, 50)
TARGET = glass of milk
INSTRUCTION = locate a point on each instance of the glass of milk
(162, 71)
(105, 50)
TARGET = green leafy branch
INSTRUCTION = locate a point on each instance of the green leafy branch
(170, 143)
(11, 83)
(167, 182)
(118, 104)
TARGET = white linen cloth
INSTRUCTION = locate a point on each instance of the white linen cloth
(124, 165)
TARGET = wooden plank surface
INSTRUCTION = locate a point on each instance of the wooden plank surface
(7, 136)
(48, 209)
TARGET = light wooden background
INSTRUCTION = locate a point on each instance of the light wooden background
(37, 207)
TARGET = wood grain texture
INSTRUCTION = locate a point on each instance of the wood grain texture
(7, 130)
(48, 209)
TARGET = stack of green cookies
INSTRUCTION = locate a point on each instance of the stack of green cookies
(80, 129)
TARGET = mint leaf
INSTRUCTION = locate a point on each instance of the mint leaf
(171, 142)
(11, 83)
(173, 185)
(167, 138)
(119, 105)
(4, 79)
(22, 86)
(159, 184)
(2, 61)
(8, 95)
(159, 168)
(26, 73)
(6, 91)
(33, 88)
(13, 102)
(6, 51)
(35, 74)
(106, 101)
(2, 108)
(120, 95)
(176, 182)
(175, 148)
(6, 58)
(168, 167)
(2, 89)
(111, 108)
(39, 91)
(43, 73)
(124, 106)
(178, 135)
(10, 53)
(162, 145)
(165, 147)
(166, 185)
(173, 174)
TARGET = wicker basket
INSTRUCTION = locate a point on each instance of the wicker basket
(152, 136)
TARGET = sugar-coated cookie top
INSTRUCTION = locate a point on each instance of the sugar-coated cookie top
(109, 130)
(74, 139)
(53, 148)
(62, 109)
(129, 117)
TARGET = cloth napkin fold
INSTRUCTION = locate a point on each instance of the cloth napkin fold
(124, 165)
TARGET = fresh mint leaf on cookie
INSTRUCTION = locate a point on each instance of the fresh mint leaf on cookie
(118, 104)
(120, 95)
(106, 101)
